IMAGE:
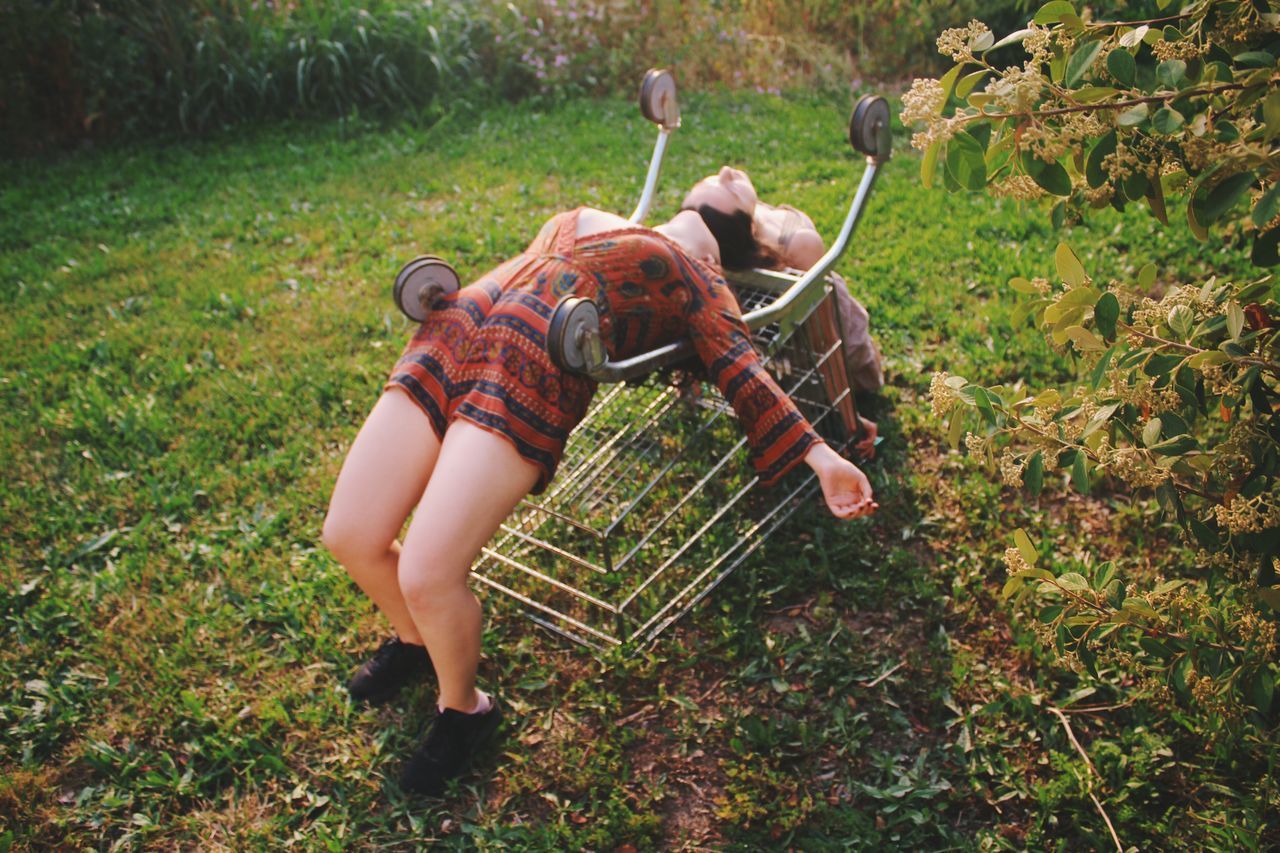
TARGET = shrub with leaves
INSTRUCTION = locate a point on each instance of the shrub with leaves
(1180, 385)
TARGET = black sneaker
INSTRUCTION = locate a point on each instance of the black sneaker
(394, 665)
(454, 739)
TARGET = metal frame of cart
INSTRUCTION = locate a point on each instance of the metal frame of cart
(655, 504)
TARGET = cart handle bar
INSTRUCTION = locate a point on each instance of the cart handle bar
(639, 365)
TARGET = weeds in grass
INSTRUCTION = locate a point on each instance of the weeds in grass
(175, 643)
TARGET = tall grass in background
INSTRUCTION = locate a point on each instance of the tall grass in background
(71, 69)
(75, 68)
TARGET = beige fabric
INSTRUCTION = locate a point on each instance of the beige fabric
(777, 226)
(861, 354)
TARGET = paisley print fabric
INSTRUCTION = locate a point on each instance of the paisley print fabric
(481, 355)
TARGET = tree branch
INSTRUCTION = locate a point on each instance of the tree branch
(1116, 105)
(1071, 735)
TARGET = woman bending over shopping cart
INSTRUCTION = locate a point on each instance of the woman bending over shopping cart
(475, 416)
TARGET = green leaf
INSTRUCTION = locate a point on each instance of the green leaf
(1155, 648)
(965, 161)
(1180, 321)
(1100, 369)
(955, 429)
(1151, 432)
(1167, 120)
(1140, 607)
(1223, 197)
(1051, 177)
(1147, 275)
(1012, 38)
(1195, 220)
(966, 84)
(929, 164)
(1052, 12)
(1178, 675)
(1270, 596)
(1033, 476)
(1080, 61)
(1085, 340)
(1099, 418)
(948, 83)
(1255, 59)
(1176, 446)
(1092, 94)
(1021, 285)
(1069, 267)
(1080, 474)
(1135, 115)
(1267, 207)
(1201, 360)
(1050, 613)
(1271, 114)
(1105, 313)
(1026, 547)
(1121, 66)
(1134, 37)
(982, 400)
(1235, 320)
(1073, 581)
(1170, 72)
(1093, 171)
(1159, 365)
(1266, 249)
(1262, 689)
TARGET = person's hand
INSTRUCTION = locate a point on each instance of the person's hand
(865, 448)
(845, 488)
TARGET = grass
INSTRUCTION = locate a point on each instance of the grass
(192, 335)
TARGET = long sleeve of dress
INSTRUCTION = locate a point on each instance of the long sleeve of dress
(778, 434)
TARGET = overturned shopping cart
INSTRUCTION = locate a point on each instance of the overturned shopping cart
(654, 503)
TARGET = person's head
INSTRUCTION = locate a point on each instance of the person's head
(726, 202)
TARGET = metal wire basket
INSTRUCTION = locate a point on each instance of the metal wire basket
(655, 502)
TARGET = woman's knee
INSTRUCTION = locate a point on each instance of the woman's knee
(426, 587)
(348, 539)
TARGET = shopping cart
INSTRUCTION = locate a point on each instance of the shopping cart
(655, 502)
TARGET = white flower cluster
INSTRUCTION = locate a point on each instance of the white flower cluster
(957, 42)
(1011, 468)
(1016, 187)
(942, 397)
(1249, 515)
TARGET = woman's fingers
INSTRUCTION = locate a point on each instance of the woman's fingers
(846, 488)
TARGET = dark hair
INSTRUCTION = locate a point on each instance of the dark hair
(733, 232)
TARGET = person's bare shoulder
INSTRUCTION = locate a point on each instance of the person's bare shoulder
(592, 221)
(804, 249)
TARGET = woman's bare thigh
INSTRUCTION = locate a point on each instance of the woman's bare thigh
(384, 473)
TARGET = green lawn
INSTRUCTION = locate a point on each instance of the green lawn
(193, 332)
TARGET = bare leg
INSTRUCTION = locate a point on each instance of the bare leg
(478, 480)
(384, 474)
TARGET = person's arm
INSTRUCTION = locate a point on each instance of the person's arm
(779, 435)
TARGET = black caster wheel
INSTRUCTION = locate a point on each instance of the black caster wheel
(574, 319)
(658, 98)
(869, 131)
(420, 283)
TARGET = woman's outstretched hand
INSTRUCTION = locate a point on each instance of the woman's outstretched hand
(846, 489)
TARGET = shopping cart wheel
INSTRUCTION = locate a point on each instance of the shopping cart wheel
(869, 131)
(573, 338)
(658, 98)
(420, 283)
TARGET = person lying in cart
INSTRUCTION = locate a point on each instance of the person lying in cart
(475, 416)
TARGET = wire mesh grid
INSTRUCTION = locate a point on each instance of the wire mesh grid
(653, 504)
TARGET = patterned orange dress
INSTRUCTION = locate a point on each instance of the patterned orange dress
(481, 354)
